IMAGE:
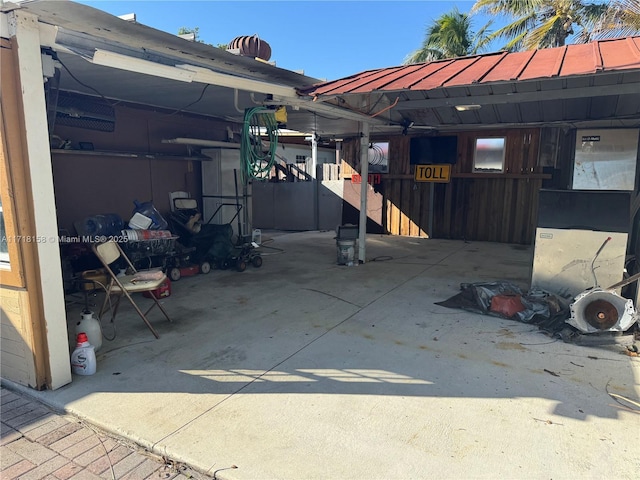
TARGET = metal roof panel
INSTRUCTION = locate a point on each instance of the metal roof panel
(477, 71)
(424, 70)
(567, 61)
(544, 64)
(445, 74)
(336, 86)
(580, 60)
(388, 76)
(509, 68)
(621, 55)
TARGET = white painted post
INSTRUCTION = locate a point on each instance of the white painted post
(314, 179)
(25, 32)
(364, 188)
(314, 154)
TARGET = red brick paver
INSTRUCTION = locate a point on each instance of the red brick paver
(38, 444)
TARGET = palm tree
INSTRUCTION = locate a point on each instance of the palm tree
(544, 23)
(449, 36)
(621, 20)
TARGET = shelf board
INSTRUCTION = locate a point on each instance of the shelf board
(139, 156)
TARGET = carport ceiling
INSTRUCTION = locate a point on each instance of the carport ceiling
(579, 85)
(77, 31)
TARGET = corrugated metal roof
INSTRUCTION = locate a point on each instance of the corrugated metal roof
(571, 60)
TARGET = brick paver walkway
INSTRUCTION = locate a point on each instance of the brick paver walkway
(36, 443)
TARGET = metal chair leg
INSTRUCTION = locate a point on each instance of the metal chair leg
(142, 315)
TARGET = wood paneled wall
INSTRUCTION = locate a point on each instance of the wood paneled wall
(498, 207)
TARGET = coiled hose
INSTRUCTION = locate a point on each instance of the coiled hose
(256, 162)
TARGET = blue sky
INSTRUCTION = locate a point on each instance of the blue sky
(327, 39)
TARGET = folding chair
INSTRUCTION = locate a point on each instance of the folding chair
(125, 285)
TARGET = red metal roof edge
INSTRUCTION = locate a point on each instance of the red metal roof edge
(564, 53)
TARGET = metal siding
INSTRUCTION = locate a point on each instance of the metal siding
(450, 115)
(577, 109)
(628, 105)
(506, 113)
(551, 111)
(603, 107)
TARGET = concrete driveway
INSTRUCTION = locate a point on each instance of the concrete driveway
(307, 369)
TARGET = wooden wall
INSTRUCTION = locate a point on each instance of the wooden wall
(498, 207)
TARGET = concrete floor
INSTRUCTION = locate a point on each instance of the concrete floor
(307, 369)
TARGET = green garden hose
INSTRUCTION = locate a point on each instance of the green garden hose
(255, 161)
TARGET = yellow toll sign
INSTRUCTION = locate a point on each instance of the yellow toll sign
(433, 173)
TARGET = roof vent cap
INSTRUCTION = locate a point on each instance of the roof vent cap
(250, 46)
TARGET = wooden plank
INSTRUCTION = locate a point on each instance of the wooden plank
(534, 195)
(399, 155)
(473, 204)
(455, 217)
(459, 211)
(394, 207)
(490, 208)
(385, 206)
(415, 226)
(349, 157)
(405, 206)
(507, 217)
(520, 212)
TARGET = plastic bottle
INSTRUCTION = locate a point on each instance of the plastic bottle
(83, 358)
(90, 325)
(103, 224)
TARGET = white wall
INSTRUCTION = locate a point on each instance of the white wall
(289, 153)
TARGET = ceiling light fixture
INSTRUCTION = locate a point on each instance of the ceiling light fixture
(466, 108)
(137, 65)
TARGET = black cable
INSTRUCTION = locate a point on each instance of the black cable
(82, 83)
(192, 103)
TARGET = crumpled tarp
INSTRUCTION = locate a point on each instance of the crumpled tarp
(543, 309)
